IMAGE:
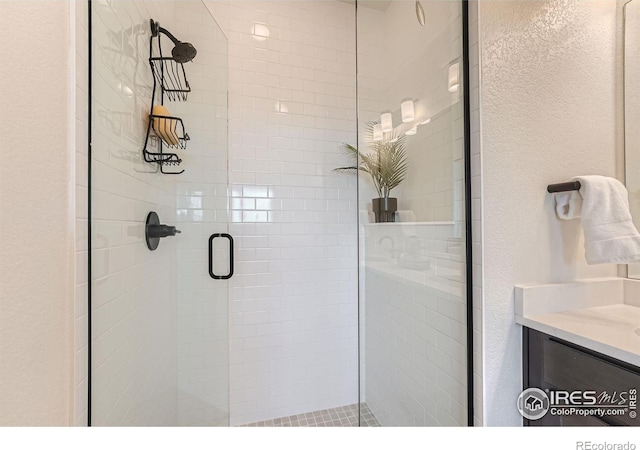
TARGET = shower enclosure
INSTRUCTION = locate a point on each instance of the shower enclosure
(264, 291)
(413, 297)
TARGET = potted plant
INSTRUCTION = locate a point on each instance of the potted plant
(387, 165)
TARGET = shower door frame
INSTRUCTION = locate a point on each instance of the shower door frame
(468, 217)
(89, 68)
(89, 203)
(467, 208)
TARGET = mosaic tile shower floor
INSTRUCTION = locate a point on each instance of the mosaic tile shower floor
(343, 416)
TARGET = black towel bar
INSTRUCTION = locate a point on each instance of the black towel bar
(563, 187)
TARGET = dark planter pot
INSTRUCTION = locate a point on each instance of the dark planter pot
(385, 209)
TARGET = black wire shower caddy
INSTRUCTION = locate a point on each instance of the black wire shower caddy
(171, 77)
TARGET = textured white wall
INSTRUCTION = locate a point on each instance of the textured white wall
(548, 104)
(36, 218)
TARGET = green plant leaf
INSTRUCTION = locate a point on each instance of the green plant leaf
(386, 162)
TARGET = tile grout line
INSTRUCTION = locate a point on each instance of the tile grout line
(342, 416)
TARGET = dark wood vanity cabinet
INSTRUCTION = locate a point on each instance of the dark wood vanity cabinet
(552, 364)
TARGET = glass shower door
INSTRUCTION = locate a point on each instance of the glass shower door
(159, 319)
(413, 303)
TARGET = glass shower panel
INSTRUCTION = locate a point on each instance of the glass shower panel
(413, 329)
(159, 335)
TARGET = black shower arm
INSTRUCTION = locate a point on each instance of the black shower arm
(168, 34)
(156, 28)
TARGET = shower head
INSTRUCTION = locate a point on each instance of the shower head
(182, 52)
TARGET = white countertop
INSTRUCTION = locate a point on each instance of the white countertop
(600, 314)
(604, 329)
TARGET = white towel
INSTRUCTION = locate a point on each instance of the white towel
(609, 233)
(568, 205)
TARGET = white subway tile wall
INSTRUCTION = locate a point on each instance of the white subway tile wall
(134, 355)
(392, 71)
(434, 186)
(416, 325)
(202, 210)
(294, 304)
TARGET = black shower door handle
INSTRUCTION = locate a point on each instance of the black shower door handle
(230, 274)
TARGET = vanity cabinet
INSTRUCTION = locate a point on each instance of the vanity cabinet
(557, 365)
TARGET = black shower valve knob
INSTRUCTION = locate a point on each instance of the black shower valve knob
(154, 230)
(161, 231)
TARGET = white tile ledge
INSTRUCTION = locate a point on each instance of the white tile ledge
(600, 314)
(408, 224)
